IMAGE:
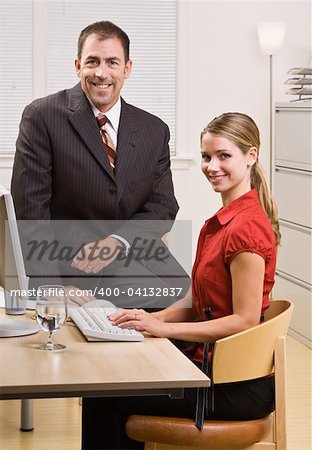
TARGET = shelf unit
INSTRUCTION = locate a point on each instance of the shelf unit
(292, 191)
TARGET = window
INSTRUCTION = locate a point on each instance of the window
(15, 69)
(151, 27)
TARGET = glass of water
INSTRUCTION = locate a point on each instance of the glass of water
(51, 312)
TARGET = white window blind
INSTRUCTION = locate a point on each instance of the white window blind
(151, 27)
(15, 68)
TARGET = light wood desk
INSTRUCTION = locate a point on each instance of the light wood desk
(93, 368)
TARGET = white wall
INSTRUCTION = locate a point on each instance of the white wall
(220, 68)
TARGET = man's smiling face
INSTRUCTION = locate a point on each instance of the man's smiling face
(102, 70)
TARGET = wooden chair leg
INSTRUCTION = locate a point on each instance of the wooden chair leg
(280, 394)
(150, 446)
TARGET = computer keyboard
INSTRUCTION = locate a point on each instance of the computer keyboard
(95, 325)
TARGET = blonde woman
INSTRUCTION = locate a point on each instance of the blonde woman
(232, 277)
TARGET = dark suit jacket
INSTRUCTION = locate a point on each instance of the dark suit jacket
(61, 171)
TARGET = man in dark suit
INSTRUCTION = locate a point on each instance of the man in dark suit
(62, 173)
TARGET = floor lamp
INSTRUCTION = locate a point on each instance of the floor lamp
(271, 37)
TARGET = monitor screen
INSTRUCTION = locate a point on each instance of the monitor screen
(12, 269)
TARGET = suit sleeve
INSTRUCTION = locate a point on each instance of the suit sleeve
(156, 216)
(32, 170)
(153, 220)
(161, 203)
(31, 188)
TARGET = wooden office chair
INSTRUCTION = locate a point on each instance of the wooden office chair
(243, 356)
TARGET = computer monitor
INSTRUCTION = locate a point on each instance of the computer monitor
(12, 268)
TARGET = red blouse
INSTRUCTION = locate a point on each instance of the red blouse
(241, 226)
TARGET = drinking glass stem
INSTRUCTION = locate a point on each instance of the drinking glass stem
(50, 342)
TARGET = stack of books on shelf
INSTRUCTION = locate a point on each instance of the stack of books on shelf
(302, 83)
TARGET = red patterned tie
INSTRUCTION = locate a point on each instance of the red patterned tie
(107, 140)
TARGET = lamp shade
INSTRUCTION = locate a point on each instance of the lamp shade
(271, 36)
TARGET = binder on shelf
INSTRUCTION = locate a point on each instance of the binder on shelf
(302, 83)
(300, 71)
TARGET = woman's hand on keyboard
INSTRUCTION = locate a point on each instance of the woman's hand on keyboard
(139, 320)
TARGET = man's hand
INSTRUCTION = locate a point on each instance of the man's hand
(74, 296)
(97, 255)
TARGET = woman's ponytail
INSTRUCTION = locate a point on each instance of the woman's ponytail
(258, 182)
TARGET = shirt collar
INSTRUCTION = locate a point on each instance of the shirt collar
(113, 114)
(229, 211)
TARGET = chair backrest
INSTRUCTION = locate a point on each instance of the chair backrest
(250, 354)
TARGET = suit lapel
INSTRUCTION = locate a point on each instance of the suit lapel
(82, 119)
(126, 153)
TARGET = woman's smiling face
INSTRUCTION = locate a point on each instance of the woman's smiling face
(226, 166)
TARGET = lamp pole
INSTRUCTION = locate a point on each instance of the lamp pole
(271, 36)
(271, 124)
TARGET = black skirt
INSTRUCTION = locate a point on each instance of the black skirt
(104, 419)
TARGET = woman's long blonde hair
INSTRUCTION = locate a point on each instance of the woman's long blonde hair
(243, 132)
